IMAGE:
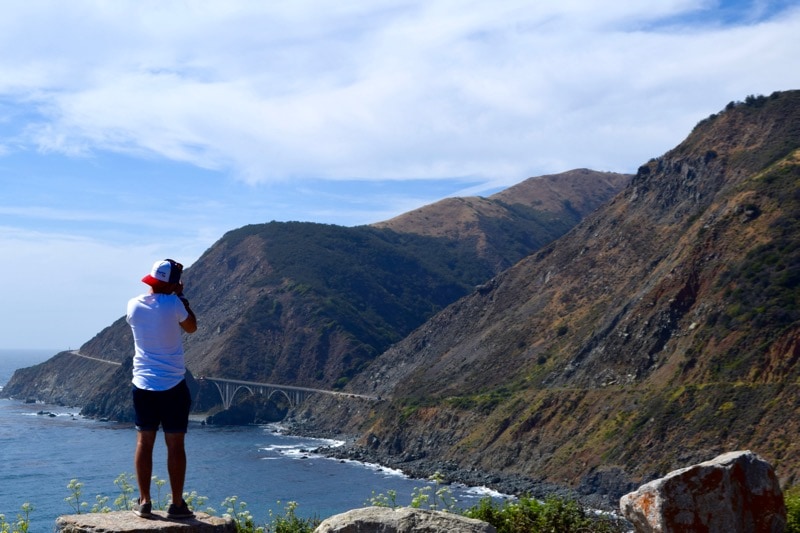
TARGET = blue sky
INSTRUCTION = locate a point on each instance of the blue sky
(133, 131)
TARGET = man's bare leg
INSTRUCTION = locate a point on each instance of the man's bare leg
(176, 464)
(143, 461)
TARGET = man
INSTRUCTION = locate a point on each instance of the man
(160, 394)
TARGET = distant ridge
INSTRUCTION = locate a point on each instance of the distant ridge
(531, 213)
(313, 304)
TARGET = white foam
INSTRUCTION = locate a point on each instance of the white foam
(280, 448)
(486, 491)
(53, 414)
(388, 472)
(307, 442)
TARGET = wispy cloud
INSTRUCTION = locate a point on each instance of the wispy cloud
(132, 131)
(385, 90)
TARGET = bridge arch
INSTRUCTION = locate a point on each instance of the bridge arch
(281, 392)
(240, 387)
(227, 391)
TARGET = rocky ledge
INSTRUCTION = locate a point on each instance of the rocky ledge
(127, 522)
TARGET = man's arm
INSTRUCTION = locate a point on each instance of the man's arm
(190, 324)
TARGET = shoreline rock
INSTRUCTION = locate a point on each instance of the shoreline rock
(512, 485)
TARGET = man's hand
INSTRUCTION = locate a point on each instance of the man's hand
(178, 288)
(190, 324)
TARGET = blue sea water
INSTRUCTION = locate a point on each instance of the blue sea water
(41, 453)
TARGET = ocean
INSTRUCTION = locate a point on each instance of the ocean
(44, 447)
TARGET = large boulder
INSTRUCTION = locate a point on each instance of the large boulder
(401, 520)
(735, 492)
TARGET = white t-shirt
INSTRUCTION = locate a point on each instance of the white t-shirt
(158, 363)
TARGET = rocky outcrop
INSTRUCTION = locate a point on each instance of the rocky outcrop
(736, 492)
(127, 522)
(401, 520)
(60, 387)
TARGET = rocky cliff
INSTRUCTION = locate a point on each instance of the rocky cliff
(663, 329)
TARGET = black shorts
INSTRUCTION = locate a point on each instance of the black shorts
(169, 408)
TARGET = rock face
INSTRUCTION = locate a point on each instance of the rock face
(402, 520)
(127, 522)
(654, 335)
(735, 492)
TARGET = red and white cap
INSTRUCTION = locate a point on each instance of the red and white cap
(165, 271)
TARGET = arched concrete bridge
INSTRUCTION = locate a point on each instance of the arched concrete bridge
(295, 395)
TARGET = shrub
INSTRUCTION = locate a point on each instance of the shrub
(23, 521)
(528, 515)
(289, 522)
(791, 497)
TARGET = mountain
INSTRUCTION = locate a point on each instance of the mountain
(313, 304)
(663, 329)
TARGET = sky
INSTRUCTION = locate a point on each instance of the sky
(132, 131)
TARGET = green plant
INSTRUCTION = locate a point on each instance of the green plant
(791, 498)
(23, 520)
(195, 501)
(74, 499)
(125, 484)
(159, 503)
(237, 511)
(100, 504)
(289, 522)
(441, 498)
(528, 515)
(383, 500)
(124, 501)
(420, 497)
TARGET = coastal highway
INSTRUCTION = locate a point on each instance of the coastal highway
(76, 352)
